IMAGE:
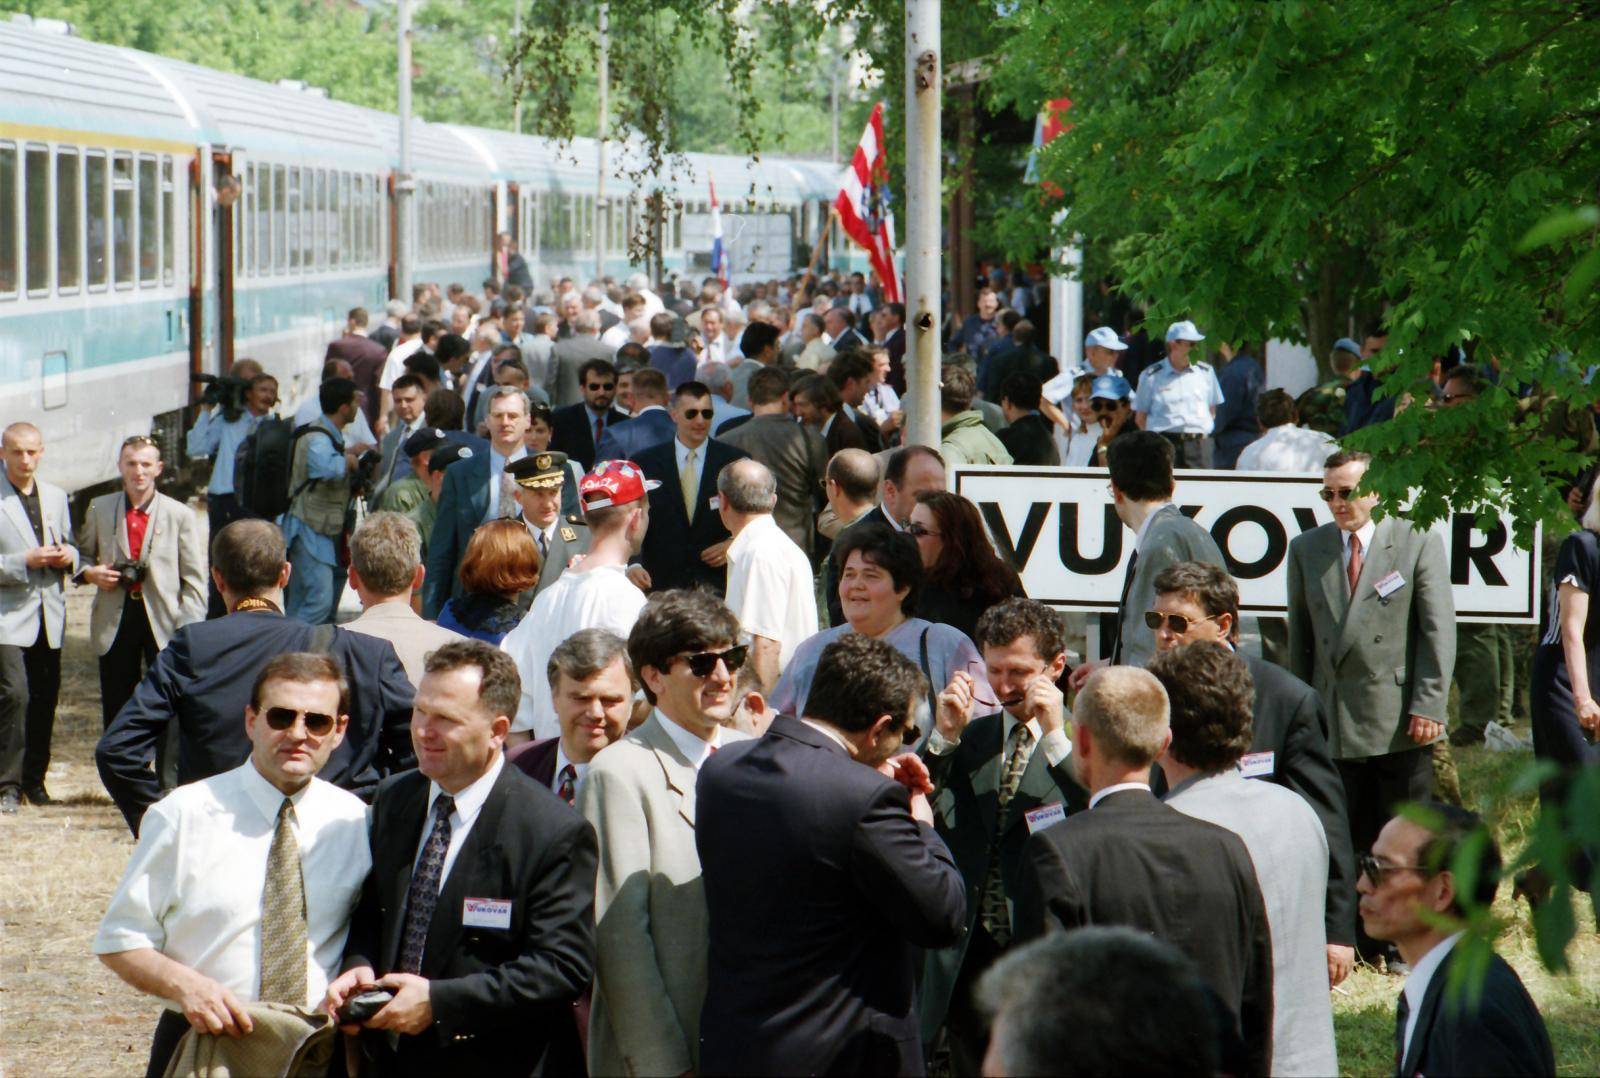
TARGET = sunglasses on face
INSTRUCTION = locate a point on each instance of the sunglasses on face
(317, 724)
(1177, 622)
(703, 663)
(1327, 494)
(597, 387)
(1101, 405)
(1375, 870)
(698, 413)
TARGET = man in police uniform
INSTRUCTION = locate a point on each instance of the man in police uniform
(1102, 351)
(1178, 399)
(539, 478)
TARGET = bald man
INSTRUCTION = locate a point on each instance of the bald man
(36, 557)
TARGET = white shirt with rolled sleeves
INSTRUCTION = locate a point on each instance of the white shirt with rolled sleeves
(1178, 403)
(1287, 448)
(770, 587)
(192, 889)
(599, 598)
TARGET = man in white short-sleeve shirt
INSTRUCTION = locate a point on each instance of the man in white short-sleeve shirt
(770, 588)
(242, 885)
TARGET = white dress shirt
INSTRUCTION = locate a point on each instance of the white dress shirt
(695, 749)
(1116, 788)
(1417, 985)
(192, 889)
(831, 734)
(681, 454)
(468, 803)
(1287, 448)
(770, 587)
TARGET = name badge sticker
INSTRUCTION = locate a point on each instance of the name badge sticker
(716, 502)
(486, 913)
(1257, 765)
(1045, 816)
(1390, 584)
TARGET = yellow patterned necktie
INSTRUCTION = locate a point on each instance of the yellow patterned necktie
(283, 917)
(993, 911)
(690, 480)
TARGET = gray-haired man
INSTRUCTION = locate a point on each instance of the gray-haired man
(770, 588)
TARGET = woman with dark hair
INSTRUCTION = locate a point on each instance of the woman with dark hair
(501, 562)
(880, 578)
(962, 576)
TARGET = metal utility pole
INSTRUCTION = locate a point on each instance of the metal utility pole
(923, 87)
(602, 209)
(516, 43)
(404, 185)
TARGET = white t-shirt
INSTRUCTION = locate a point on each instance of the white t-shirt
(395, 365)
(599, 598)
(1287, 449)
(770, 587)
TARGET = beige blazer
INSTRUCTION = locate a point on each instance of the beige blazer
(175, 566)
(413, 636)
(650, 907)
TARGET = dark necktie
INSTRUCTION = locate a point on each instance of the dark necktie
(1354, 568)
(599, 428)
(1122, 609)
(544, 546)
(567, 789)
(423, 895)
(1401, 1012)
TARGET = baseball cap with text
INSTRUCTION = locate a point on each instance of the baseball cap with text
(614, 482)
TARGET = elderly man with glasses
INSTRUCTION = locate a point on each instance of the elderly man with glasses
(1372, 630)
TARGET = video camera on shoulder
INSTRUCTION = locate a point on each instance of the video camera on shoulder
(224, 390)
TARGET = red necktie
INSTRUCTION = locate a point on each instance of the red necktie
(568, 787)
(599, 428)
(1355, 561)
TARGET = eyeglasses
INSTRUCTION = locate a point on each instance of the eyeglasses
(698, 413)
(1100, 404)
(140, 440)
(917, 531)
(596, 387)
(703, 663)
(317, 723)
(1177, 622)
(1375, 870)
(1327, 494)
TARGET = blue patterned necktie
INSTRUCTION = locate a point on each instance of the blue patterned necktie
(423, 895)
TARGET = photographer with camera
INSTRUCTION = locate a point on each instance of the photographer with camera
(232, 406)
(321, 482)
(142, 550)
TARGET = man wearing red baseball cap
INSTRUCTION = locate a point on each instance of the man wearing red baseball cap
(594, 593)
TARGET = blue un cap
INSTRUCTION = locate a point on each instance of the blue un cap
(1111, 387)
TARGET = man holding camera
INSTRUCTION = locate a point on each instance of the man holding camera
(142, 550)
(319, 488)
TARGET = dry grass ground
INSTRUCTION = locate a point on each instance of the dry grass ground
(61, 1013)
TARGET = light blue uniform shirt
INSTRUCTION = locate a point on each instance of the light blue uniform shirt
(323, 461)
(213, 436)
(1178, 403)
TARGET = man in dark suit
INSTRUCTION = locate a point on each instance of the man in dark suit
(687, 544)
(1409, 893)
(1289, 732)
(479, 911)
(593, 691)
(796, 456)
(1131, 860)
(578, 428)
(202, 679)
(894, 339)
(852, 374)
(817, 405)
(996, 779)
(651, 423)
(365, 356)
(572, 352)
(817, 974)
(675, 362)
(1029, 437)
(840, 323)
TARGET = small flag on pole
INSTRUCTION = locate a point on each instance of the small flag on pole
(863, 204)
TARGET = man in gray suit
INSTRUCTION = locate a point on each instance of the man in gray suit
(1140, 463)
(36, 556)
(141, 550)
(1211, 696)
(571, 353)
(796, 455)
(1372, 629)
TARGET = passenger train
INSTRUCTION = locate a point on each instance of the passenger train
(122, 275)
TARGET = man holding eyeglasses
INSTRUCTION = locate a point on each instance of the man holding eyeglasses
(1372, 630)
(650, 914)
(242, 886)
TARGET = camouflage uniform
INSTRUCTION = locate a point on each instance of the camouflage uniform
(1322, 407)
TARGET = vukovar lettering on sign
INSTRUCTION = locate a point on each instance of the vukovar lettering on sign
(1058, 527)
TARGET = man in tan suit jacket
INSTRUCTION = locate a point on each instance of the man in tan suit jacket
(650, 912)
(385, 571)
(130, 622)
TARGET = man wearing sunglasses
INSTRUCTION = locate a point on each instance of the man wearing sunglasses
(1372, 630)
(242, 885)
(650, 913)
(823, 878)
(578, 428)
(1411, 896)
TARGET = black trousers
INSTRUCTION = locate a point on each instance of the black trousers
(1373, 788)
(30, 686)
(132, 651)
(966, 1028)
(170, 1029)
(221, 510)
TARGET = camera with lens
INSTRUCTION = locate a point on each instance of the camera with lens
(131, 572)
(364, 477)
(226, 391)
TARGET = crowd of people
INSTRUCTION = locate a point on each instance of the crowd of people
(690, 724)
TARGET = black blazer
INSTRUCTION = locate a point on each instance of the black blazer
(1290, 723)
(673, 542)
(572, 431)
(536, 759)
(819, 887)
(870, 434)
(202, 680)
(875, 515)
(1134, 861)
(1502, 1034)
(1030, 440)
(502, 997)
(843, 434)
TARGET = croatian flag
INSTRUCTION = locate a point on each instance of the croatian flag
(719, 257)
(863, 204)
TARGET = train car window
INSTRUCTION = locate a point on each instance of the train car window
(292, 219)
(321, 231)
(280, 220)
(69, 221)
(308, 220)
(363, 222)
(338, 211)
(169, 223)
(149, 224)
(241, 230)
(98, 235)
(8, 220)
(255, 226)
(124, 222)
(36, 206)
